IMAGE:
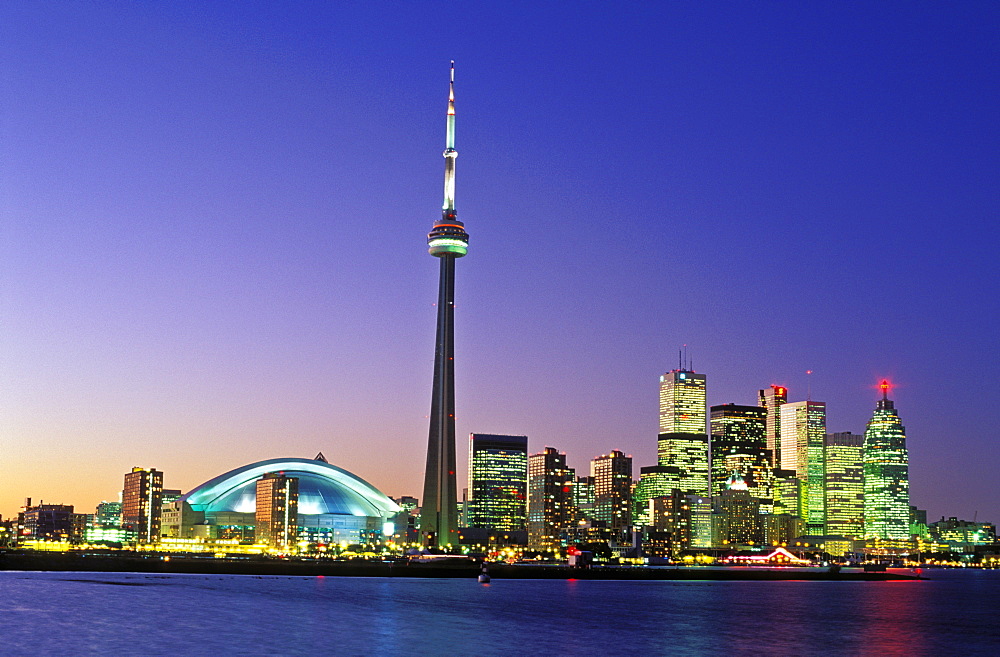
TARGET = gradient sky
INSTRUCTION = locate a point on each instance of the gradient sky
(212, 241)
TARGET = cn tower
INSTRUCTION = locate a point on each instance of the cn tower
(446, 241)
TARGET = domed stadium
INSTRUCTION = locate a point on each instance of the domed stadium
(334, 505)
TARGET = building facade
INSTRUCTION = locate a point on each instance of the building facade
(498, 482)
(142, 502)
(803, 432)
(277, 511)
(886, 466)
(550, 497)
(612, 475)
(738, 431)
(772, 399)
(845, 485)
(686, 455)
(45, 522)
(682, 402)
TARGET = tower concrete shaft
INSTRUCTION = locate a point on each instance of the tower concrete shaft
(446, 241)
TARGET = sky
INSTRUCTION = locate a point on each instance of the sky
(214, 218)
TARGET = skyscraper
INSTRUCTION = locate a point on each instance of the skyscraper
(277, 514)
(654, 481)
(772, 399)
(738, 431)
(682, 402)
(682, 444)
(887, 481)
(142, 501)
(612, 475)
(685, 457)
(498, 481)
(446, 241)
(550, 497)
(803, 431)
(845, 485)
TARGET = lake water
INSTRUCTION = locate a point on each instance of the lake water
(956, 613)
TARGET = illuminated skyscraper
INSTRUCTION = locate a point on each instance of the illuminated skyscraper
(887, 482)
(772, 399)
(550, 497)
(446, 241)
(685, 455)
(682, 444)
(738, 515)
(498, 481)
(612, 475)
(739, 431)
(654, 481)
(845, 485)
(277, 515)
(142, 501)
(682, 402)
(803, 431)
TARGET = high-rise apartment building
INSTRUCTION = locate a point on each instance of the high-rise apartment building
(738, 431)
(803, 432)
(550, 497)
(612, 475)
(142, 501)
(277, 515)
(845, 485)
(772, 399)
(682, 402)
(498, 482)
(887, 481)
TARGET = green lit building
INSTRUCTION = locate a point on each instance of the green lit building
(845, 485)
(803, 433)
(583, 499)
(886, 472)
(498, 482)
(654, 481)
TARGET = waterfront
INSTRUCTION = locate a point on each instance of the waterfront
(127, 613)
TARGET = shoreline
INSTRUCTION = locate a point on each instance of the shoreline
(156, 563)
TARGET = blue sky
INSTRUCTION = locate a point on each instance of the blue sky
(212, 242)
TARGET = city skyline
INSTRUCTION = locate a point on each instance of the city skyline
(782, 191)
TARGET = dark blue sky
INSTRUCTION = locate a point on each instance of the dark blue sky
(212, 243)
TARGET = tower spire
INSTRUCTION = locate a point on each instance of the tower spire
(448, 236)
